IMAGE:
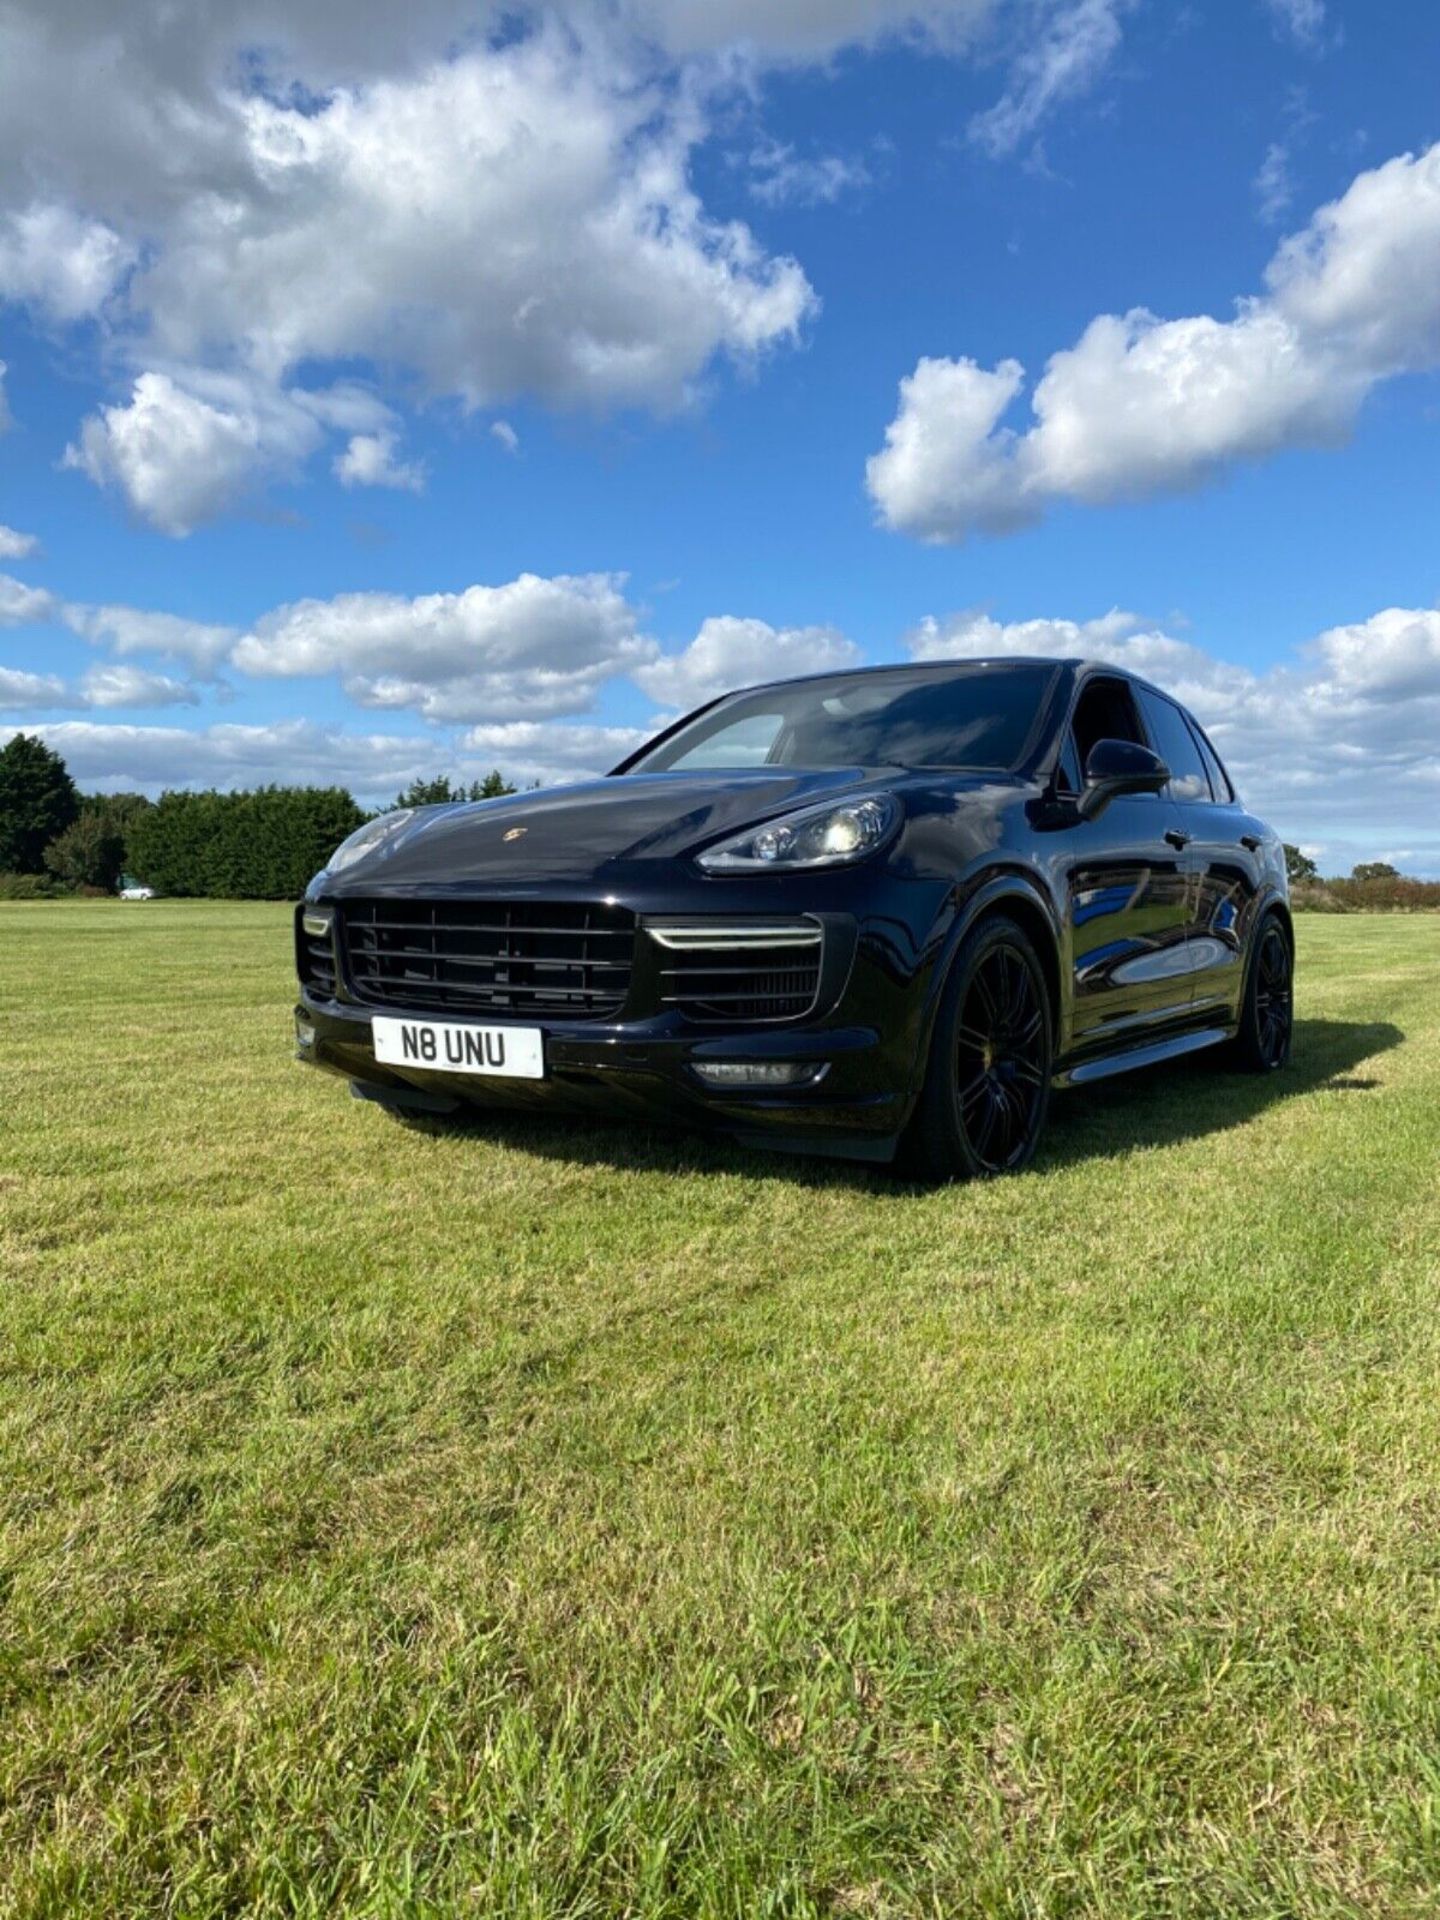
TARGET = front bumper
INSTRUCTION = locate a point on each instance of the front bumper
(862, 1037)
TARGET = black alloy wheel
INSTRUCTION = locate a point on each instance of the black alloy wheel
(1267, 1017)
(1275, 997)
(988, 1086)
(1000, 1059)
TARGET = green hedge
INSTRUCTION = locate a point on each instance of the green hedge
(263, 845)
(1387, 894)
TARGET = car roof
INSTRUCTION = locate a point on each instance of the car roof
(921, 666)
(1080, 666)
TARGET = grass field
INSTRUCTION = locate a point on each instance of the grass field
(567, 1522)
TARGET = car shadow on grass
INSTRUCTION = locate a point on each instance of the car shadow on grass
(1166, 1105)
(1159, 1106)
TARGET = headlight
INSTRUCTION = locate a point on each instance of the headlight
(366, 839)
(834, 835)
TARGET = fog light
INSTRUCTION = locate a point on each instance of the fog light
(768, 1073)
(304, 1033)
(317, 925)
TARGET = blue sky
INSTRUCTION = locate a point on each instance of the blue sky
(394, 395)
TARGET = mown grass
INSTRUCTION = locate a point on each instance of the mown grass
(549, 1521)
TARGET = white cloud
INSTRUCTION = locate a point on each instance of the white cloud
(502, 431)
(526, 751)
(488, 201)
(977, 636)
(131, 630)
(112, 755)
(109, 686)
(1303, 20)
(20, 605)
(1142, 406)
(1065, 60)
(487, 656)
(369, 461)
(1327, 745)
(181, 456)
(781, 177)
(118, 685)
(17, 546)
(1394, 655)
(729, 653)
(274, 187)
(513, 219)
(1274, 188)
(948, 466)
(534, 647)
(168, 61)
(20, 691)
(187, 447)
(64, 265)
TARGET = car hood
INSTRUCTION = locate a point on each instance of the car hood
(600, 828)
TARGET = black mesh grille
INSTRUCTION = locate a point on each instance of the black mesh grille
(743, 983)
(510, 957)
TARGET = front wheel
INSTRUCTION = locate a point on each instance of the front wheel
(1267, 1014)
(987, 1085)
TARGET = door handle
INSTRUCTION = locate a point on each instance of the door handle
(1251, 842)
(1177, 837)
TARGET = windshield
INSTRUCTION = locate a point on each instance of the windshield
(976, 718)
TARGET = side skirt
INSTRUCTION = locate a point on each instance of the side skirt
(1173, 1048)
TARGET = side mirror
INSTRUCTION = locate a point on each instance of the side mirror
(1116, 767)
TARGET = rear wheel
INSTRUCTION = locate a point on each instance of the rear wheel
(1267, 1016)
(987, 1086)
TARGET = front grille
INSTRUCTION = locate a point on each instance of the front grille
(316, 955)
(510, 957)
(740, 973)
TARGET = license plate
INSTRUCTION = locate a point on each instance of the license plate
(439, 1046)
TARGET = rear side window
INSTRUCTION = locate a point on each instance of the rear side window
(1219, 780)
(1172, 739)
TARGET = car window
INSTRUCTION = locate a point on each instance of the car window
(1220, 785)
(1172, 739)
(1105, 711)
(973, 717)
(746, 742)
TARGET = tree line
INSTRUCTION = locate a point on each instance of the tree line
(263, 844)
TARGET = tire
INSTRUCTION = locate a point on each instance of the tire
(987, 1084)
(1267, 1012)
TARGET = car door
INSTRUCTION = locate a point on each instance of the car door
(1127, 890)
(1221, 854)
(1228, 856)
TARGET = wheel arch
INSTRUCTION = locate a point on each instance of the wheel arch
(1011, 896)
(1280, 907)
(1271, 902)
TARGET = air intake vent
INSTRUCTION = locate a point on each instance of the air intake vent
(733, 972)
(315, 953)
(510, 957)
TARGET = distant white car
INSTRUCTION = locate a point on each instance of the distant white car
(137, 893)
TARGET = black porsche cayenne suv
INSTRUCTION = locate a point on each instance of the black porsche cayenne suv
(872, 914)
